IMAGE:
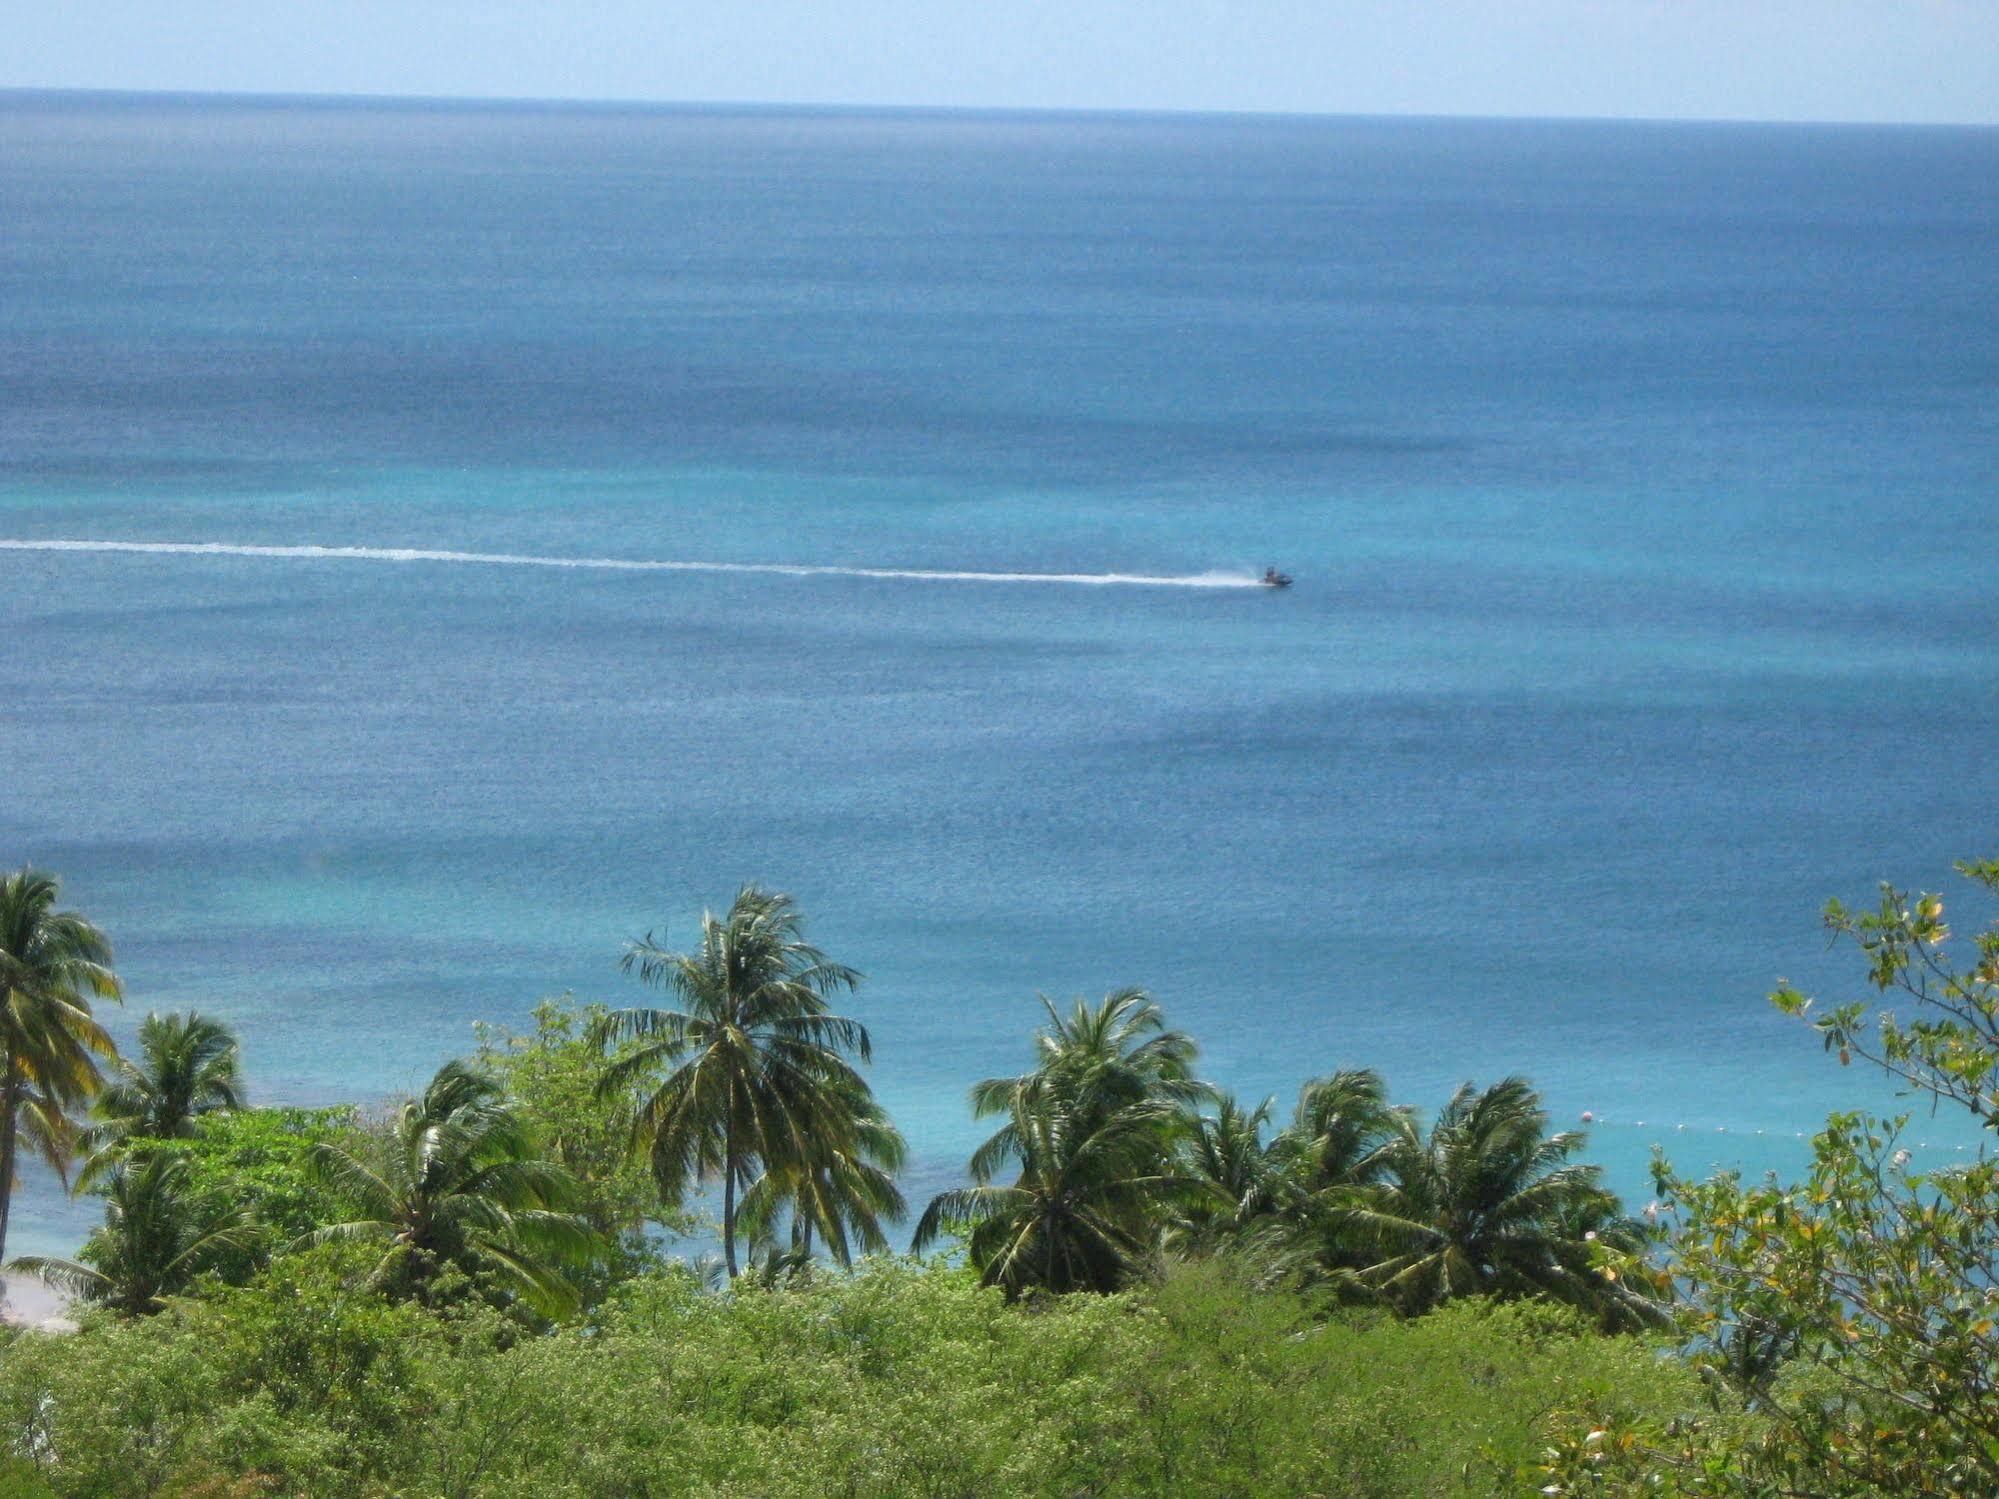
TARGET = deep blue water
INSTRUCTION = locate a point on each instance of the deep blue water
(1639, 481)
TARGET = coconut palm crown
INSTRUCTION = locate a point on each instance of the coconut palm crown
(1487, 1202)
(461, 1184)
(53, 963)
(1081, 1215)
(1100, 1057)
(157, 1237)
(1225, 1152)
(187, 1066)
(843, 1193)
(1339, 1131)
(756, 1071)
(1092, 1129)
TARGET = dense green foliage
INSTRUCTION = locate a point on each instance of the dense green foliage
(460, 1186)
(1092, 1129)
(1487, 1203)
(553, 1076)
(1146, 1289)
(259, 1159)
(160, 1234)
(1091, 1179)
(188, 1066)
(1118, 1153)
(897, 1381)
(840, 1195)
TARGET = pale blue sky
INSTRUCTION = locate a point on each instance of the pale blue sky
(1916, 60)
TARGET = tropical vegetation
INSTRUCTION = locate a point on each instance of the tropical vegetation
(160, 1234)
(459, 1185)
(840, 1193)
(188, 1066)
(1486, 1202)
(1856, 1312)
(1093, 1129)
(553, 1073)
(1144, 1286)
(897, 1380)
(756, 1077)
(1093, 1178)
(53, 963)
(1118, 1153)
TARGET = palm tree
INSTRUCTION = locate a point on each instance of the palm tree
(461, 1185)
(759, 1080)
(52, 964)
(1118, 1048)
(1323, 1165)
(1282, 1209)
(1487, 1204)
(843, 1192)
(1226, 1153)
(188, 1066)
(1339, 1132)
(1103, 1056)
(768, 1269)
(1093, 1128)
(158, 1235)
(1080, 1216)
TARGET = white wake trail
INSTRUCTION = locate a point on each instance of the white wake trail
(623, 564)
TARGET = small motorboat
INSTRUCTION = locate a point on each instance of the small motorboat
(1272, 578)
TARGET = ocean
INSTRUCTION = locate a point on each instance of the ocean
(1638, 481)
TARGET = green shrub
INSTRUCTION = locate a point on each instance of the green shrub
(256, 1159)
(898, 1380)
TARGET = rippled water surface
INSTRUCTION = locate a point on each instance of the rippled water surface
(1639, 482)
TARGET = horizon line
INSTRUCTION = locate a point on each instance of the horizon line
(609, 103)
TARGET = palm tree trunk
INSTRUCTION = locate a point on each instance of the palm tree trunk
(729, 1196)
(7, 1106)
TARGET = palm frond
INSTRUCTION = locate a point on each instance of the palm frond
(358, 1232)
(66, 1276)
(970, 1205)
(335, 1168)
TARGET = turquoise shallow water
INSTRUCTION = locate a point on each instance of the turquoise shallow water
(1639, 483)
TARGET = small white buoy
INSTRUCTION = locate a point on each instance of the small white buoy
(1588, 1117)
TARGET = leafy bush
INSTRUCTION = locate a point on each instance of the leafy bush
(898, 1380)
(1856, 1311)
(298, 1378)
(551, 1075)
(257, 1159)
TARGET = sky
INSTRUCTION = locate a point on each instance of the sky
(1928, 61)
